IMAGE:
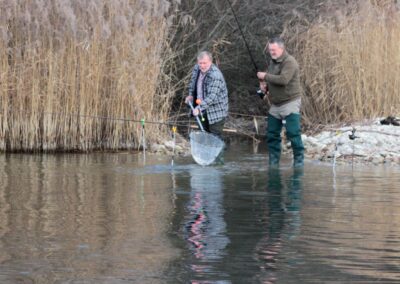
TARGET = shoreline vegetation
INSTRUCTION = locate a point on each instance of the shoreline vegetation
(64, 64)
(82, 76)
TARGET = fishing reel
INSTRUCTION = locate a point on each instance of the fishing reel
(260, 93)
(353, 136)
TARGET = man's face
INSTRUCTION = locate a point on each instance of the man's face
(204, 63)
(275, 50)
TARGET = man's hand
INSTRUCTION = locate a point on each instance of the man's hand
(261, 75)
(196, 112)
(188, 99)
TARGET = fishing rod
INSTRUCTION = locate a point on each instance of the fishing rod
(259, 92)
(244, 38)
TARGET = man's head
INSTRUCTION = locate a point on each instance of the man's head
(204, 60)
(276, 47)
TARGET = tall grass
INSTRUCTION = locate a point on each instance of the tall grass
(65, 63)
(351, 64)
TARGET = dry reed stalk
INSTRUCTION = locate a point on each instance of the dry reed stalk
(350, 68)
(78, 61)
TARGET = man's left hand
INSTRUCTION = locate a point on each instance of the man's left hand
(261, 75)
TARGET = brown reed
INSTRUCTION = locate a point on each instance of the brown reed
(63, 64)
(350, 64)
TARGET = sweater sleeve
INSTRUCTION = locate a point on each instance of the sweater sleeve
(288, 70)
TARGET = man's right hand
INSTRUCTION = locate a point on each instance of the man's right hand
(188, 99)
(261, 75)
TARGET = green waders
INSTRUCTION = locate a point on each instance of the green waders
(274, 128)
(293, 132)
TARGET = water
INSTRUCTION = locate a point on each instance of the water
(119, 218)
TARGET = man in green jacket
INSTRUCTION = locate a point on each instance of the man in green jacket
(281, 85)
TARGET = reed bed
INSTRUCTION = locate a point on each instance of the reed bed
(69, 68)
(351, 64)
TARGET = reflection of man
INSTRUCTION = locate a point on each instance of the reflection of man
(271, 244)
(283, 220)
(205, 225)
(284, 91)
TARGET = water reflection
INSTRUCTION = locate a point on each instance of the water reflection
(106, 218)
(76, 218)
(281, 223)
(356, 235)
(205, 225)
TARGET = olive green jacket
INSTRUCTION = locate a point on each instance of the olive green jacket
(283, 79)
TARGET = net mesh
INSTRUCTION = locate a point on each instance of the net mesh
(205, 147)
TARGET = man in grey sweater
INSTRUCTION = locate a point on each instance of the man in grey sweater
(281, 84)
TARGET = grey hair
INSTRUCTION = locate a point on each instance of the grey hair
(202, 54)
(278, 41)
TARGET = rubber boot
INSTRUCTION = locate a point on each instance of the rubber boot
(274, 129)
(293, 132)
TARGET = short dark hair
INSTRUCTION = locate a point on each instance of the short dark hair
(279, 41)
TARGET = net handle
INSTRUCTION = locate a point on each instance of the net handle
(197, 117)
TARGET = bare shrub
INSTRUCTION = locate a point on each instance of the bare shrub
(346, 49)
(211, 25)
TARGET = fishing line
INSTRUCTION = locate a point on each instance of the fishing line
(117, 119)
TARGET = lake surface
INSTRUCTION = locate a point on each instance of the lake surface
(126, 218)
